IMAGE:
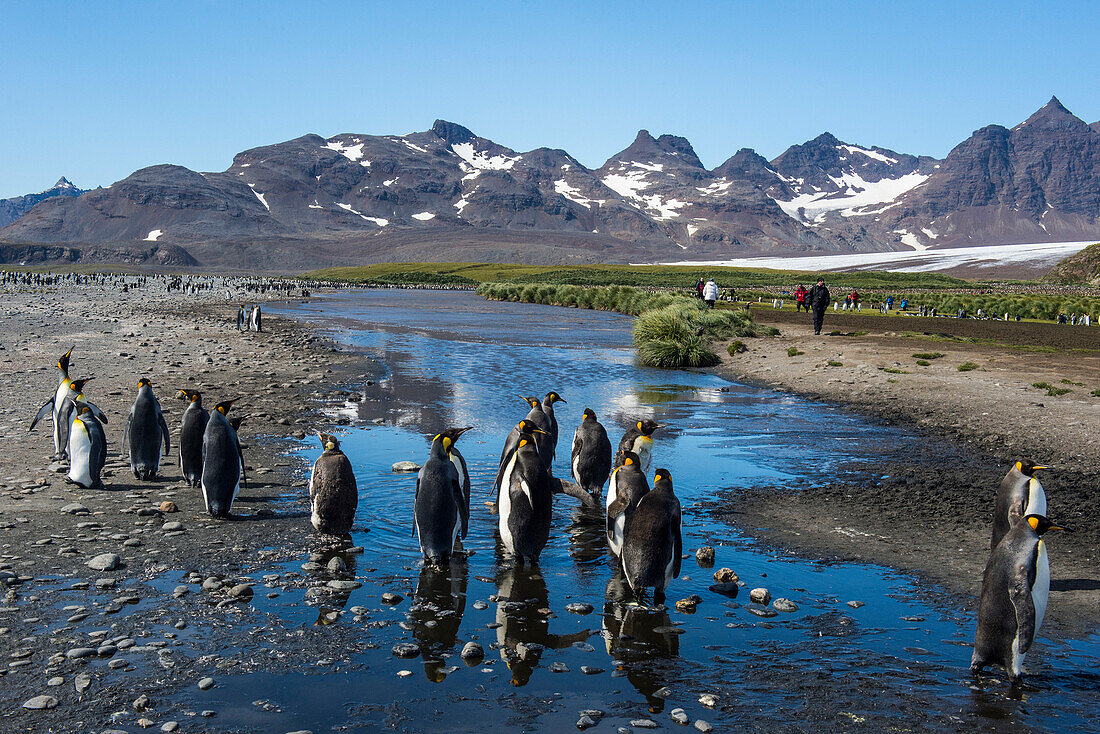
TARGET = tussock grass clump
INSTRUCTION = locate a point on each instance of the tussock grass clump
(894, 371)
(923, 363)
(928, 355)
(794, 351)
(671, 331)
(736, 347)
(1095, 393)
(834, 363)
(1071, 382)
(967, 366)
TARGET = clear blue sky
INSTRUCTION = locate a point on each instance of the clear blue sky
(95, 90)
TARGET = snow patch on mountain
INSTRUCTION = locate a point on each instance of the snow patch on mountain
(574, 194)
(479, 159)
(153, 236)
(351, 152)
(854, 198)
(260, 197)
(424, 216)
(853, 149)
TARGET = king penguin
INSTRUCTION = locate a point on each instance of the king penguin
(526, 501)
(222, 462)
(87, 447)
(591, 454)
(192, 427)
(76, 393)
(1019, 490)
(333, 493)
(55, 407)
(651, 539)
(548, 408)
(147, 431)
(527, 425)
(1015, 588)
(463, 473)
(628, 486)
(437, 506)
(639, 440)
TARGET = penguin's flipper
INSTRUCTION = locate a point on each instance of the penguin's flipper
(463, 510)
(677, 544)
(562, 486)
(416, 494)
(99, 414)
(45, 410)
(240, 455)
(1019, 591)
(166, 435)
(126, 431)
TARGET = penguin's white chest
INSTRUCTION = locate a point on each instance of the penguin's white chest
(1036, 498)
(643, 447)
(1040, 592)
(612, 489)
(504, 506)
(80, 454)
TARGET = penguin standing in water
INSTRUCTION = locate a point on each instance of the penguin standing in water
(628, 486)
(437, 507)
(1015, 588)
(192, 428)
(527, 425)
(1020, 494)
(591, 454)
(58, 408)
(222, 462)
(639, 440)
(526, 501)
(87, 447)
(548, 408)
(463, 473)
(147, 431)
(651, 539)
(333, 492)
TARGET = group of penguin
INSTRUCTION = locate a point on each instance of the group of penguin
(1016, 583)
(209, 449)
(642, 522)
(250, 320)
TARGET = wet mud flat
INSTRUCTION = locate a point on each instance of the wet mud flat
(261, 625)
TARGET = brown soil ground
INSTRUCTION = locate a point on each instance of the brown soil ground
(932, 514)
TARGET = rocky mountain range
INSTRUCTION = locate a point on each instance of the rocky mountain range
(448, 194)
(14, 208)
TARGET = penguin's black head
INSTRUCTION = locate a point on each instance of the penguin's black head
(631, 459)
(552, 397)
(1028, 468)
(236, 422)
(224, 407)
(1042, 524)
(662, 475)
(144, 381)
(647, 427)
(588, 415)
(63, 362)
(533, 402)
(444, 439)
(78, 385)
(329, 442)
(526, 426)
(454, 433)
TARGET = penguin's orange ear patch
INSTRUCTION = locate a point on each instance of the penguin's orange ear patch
(628, 461)
(639, 425)
(523, 442)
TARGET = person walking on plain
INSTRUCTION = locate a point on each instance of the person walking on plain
(819, 301)
(710, 293)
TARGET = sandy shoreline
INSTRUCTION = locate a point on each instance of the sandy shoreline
(931, 515)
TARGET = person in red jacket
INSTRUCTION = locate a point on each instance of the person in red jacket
(800, 299)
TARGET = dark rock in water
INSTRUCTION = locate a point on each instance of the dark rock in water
(579, 608)
(391, 598)
(760, 595)
(856, 604)
(705, 556)
(680, 717)
(644, 723)
(912, 619)
(585, 722)
(406, 650)
(703, 726)
(591, 670)
(559, 668)
(472, 651)
(761, 611)
(729, 589)
(784, 605)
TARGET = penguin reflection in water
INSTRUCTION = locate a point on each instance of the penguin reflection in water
(192, 428)
(438, 514)
(524, 631)
(436, 614)
(1020, 494)
(146, 430)
(638, 635)
(333, 493)
(1015, 589)
(222, 462)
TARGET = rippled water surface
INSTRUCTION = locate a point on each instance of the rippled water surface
(451, 359)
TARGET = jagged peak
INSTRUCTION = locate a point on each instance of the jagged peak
(1052, 115)
(452, 133)
(645, 148)
(64, 183)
